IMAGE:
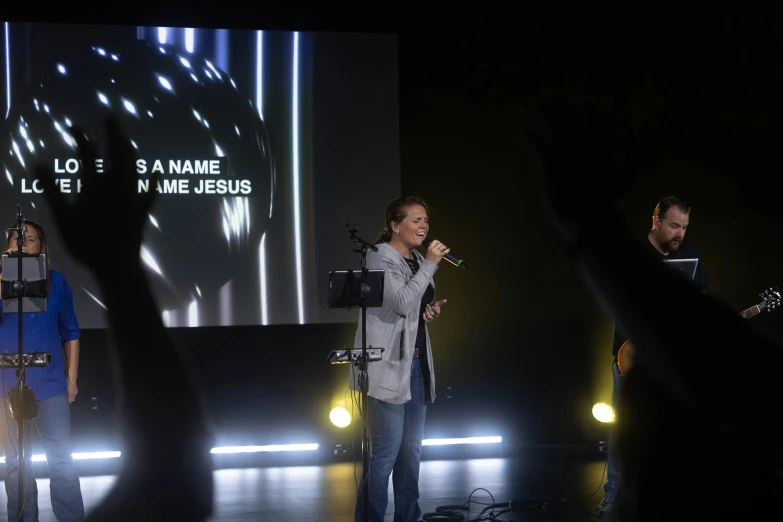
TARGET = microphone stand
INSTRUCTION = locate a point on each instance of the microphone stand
(363, 380)
(20, 409)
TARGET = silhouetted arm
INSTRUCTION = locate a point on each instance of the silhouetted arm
(167, 466)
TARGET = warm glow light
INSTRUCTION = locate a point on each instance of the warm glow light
(340, 417)
(603, 412)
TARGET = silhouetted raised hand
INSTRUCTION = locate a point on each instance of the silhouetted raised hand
(167, 466)
(109, 202)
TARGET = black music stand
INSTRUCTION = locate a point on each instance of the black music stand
(345, 288)
(21, 296)
(365, 291)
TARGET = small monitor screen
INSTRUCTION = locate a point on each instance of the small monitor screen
(686, 266)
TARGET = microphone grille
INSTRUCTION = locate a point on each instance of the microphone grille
(426, 242)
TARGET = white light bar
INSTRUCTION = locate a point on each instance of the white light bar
(467, 440)
(224, 449)
(190, 39)
(257, 449)
(79, 456)
(7, 69)
(297, 195)
(93, 455)
(271, 448)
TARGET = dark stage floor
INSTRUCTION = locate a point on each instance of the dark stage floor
(327, 492)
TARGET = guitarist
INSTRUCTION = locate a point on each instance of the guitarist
(666, 240)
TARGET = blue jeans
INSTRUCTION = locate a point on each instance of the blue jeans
(54, 425)
(396, 432)
(613, 464)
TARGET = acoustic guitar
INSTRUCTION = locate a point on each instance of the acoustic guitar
(770, 300)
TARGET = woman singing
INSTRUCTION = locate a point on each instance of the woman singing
(403, 382)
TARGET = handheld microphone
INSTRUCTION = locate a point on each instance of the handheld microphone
(448, 257)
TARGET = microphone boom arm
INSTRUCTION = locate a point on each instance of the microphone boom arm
(365, 245)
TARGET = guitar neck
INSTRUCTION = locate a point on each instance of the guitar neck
(750, 312)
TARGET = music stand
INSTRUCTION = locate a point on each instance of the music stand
(366, 291)
(345, 288)
(20, 296)
(34, 296)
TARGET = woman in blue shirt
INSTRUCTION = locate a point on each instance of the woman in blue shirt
(55, 331)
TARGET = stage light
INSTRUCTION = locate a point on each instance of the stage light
(603, 412)
(340, 417)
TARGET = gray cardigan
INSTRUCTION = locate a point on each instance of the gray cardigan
(394, 326)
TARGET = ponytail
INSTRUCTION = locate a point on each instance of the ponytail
(385, 236)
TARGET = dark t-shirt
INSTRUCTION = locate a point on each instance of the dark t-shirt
(421, 334)
(429, 295)
(686, 251)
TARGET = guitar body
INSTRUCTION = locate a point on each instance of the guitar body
(625, 357)
(771, 299)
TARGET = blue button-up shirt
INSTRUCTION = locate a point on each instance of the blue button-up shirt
(41, 332)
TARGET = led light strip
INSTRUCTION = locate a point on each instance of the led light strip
(190, 39)
(193, 313)
(79, 456)
(467, 440)
(258, 449)
(7, 69)
(221, 56)
(260, 107)
(260, 73)
(297, 217)
(262, 277)
(273, 448)
(224, 450)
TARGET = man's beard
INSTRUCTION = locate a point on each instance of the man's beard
(671, 245)
(667, 245)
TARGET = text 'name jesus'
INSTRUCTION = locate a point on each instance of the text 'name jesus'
(164, 186)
